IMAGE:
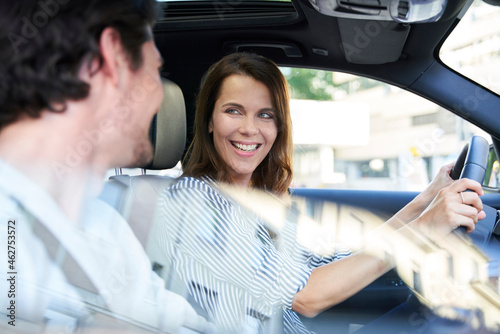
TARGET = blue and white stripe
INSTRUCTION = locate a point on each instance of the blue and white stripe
(227, 259)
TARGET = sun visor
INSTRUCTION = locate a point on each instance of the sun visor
(372, 42)
(402, 11)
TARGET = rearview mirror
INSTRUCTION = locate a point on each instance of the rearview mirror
(403, 11)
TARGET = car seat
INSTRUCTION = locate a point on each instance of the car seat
(135, 197)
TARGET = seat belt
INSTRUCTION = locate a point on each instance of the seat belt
(58, 253)
(99, 313)
(72, 271)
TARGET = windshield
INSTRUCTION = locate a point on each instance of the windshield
(473, 48)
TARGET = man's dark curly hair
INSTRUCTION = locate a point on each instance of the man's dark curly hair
(43, 44)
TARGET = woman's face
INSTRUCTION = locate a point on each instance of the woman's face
(243, 125)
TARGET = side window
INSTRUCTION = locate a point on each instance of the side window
(492, 177)
(356, 133)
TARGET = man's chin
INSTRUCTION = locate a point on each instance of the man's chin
(143, 156)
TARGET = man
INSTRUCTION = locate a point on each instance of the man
(79, 86)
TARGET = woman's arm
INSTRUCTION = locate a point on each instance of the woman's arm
(337, 281)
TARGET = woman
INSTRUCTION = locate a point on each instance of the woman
(225, 256)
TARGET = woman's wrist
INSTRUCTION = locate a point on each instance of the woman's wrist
(411, 211)
(425, 198)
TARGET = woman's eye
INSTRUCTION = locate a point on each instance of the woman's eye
(266, 115)
(232, 111)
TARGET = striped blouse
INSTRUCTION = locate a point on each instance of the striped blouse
(228, 261)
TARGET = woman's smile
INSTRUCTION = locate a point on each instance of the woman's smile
(245, 147)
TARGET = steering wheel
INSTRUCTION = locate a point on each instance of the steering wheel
(472, 161)
(471, 164)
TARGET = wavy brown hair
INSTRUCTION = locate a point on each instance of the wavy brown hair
(275, 172)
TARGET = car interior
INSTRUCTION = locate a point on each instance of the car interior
(393, 42)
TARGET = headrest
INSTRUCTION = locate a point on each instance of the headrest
(168, 129)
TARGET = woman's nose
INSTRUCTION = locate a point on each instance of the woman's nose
(249, 127)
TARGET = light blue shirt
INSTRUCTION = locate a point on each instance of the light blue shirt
(42, 293)
(105, 248)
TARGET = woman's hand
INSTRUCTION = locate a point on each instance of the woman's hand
(420, 203)
(441, 180)
(452, 207)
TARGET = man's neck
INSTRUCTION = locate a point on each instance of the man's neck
(53, 158)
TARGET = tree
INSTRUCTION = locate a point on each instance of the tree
(310, 84)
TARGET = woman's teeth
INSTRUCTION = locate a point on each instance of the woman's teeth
(246, 148)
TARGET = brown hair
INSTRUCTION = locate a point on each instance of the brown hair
(275, 172)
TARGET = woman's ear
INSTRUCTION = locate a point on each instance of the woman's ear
(210, 126)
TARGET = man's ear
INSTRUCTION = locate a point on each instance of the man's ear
(113, 54)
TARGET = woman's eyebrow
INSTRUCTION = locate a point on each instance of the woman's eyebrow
(232, 104)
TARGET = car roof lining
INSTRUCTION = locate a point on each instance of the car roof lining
(312, 32)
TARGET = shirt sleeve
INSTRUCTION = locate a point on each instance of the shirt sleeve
(215, 244)
(315, 260)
